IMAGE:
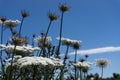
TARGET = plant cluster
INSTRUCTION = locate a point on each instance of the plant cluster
(19, 60)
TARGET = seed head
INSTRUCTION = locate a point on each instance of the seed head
(63, 8)
(19, 41)
(24, 14)
(3, 19)
(52, 16)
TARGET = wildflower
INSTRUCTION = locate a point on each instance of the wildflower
(20, 50)
(24, 14)
(76, 44)
(52, 16)
(19, 41)
(68, 42)
(40, 41)
(63, 8)
(3, 19)
(11, 23)
(101, 62)
(39, 61)
(82, 64)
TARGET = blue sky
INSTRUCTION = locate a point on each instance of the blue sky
(95, 22)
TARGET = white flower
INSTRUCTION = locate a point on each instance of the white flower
(14, 59)
(102, 62)
(11, 23)
(83, 64)
(41, 39)
(67, 41)
(38, 61)
(19, 49)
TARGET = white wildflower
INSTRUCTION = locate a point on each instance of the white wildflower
(82, 64)
(11, 23)
(102, 62)
(41, 39)
(20, 49)
(38, 61)
(67, 41)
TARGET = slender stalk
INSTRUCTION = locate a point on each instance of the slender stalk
(80, 74)
(21, 26)
(1, 41)
(47, 33)
(75, 66)
(11, 68)
(66, 54)
(64, 62)
(102, 73)
(60, 33)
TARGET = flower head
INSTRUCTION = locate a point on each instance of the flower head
(37, 61)
(101, 62)
(24, 14)
(69, 42)
(40, 40)
(19, 41)
(76, 44)
(3, 19)
(20, 50)
(11, 23)
(82, 64)
(52, 16)
(63, 8)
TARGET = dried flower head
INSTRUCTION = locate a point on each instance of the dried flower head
(63, 7)
(82, 60)
(101, 62)
(19, 41)
(3, 19)
(24, 14)
(76, 44)
(86, 56)
(52, 16)
(40, 41)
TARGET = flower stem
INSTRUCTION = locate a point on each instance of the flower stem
(58, 50)
(102, 73)
(21, 27)
(75, 66)
(64, 62)
(1, 42)
(11, 68)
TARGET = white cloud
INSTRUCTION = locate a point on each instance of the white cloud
(97, 50)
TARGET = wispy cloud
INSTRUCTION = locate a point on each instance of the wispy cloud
(97, 50)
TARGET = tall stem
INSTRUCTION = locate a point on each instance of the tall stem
(11, 68)
(64, 64)
(75, 66)
(80, 74)
(58, 52)
(47, 30)
(21, 27)
(1, 41)
(102, 73)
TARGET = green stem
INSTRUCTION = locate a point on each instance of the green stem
(21, 27)
(64, 62)
(58, 51)
(1, 42)
(75, 66)
(102, 73)
(11, 68)
(80, 74)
